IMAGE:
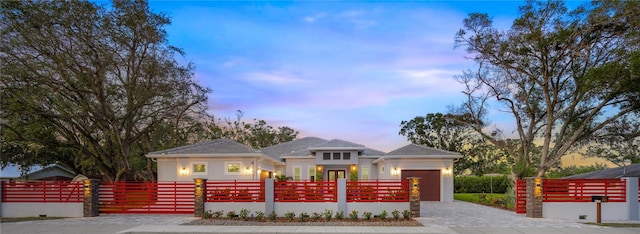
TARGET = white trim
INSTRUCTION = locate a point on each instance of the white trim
(193, 168)
(362, 169)
(294, 173)
(309, 168)
(226, 168)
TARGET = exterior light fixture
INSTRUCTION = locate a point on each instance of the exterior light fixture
(184, 172)
(395, 171)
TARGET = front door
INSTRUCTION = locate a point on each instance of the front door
(336, 174)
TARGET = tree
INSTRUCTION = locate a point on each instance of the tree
(98, 83)
(445, 131)
(564, 76)
(257, 134)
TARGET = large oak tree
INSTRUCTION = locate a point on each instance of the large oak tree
(91, 85)
(565, 76)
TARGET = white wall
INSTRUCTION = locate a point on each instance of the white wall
(304, 164)
(169, 168)
(282, 208)
(611, 211)
(29, 209)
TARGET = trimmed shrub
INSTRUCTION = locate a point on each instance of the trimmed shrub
(481, 184)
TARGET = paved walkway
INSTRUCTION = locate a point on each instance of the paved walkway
(450, 218)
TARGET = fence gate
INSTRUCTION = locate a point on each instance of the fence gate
(147, 197)
(521, 197)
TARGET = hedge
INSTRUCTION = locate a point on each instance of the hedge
(481, 184)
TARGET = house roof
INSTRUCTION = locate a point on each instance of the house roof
(297, 147)
(218, 146)
(337, 144)
(421, 150)
(632, 170)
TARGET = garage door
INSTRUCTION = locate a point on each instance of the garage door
(429, 184)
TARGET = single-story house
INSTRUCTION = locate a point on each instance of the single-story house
(52, 172)
(310, 159)
(632, 170)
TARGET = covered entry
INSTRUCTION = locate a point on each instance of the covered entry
(429, 184)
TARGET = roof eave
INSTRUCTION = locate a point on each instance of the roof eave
(205, 155)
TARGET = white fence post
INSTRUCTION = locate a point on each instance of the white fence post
(632, 197)
(342, 195)
(269, 200)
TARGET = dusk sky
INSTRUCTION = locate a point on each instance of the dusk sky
(335, 70)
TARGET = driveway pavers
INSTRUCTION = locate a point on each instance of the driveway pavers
(451, 218)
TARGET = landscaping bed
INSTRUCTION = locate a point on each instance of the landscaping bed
(326, 218)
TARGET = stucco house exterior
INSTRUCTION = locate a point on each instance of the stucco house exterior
(310, 159)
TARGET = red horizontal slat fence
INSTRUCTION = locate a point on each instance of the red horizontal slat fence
(378, 191)
(581, 190)
(303, 191)
(42, 191)
(235, 191)
(155, 197)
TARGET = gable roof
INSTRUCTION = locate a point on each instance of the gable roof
(36, 172)
(421, 150)
(218, 146)
(632, 170)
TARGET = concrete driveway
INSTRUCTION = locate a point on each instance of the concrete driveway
(453, 217)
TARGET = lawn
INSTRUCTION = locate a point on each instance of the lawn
(488, 200)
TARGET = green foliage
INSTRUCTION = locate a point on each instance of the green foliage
(406, 214)
(316, 216)
(574, 170)
(367, 215)
(303, 216)
(208, 214)
(328, 214)
(481, 184)
(273, 216)
(283, 178)
(353, 215)
(244, 213)
(395, 214)
(231, 214)
(259, 215)
(340, 215)
(218, 214)
(257, 134)
(383, 215)
(290, 215)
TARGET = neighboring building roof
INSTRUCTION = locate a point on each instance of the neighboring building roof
(37, 172)
(421, 150)
(632, 170)
(297, 147)
(218, 146)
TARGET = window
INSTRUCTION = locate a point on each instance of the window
(312, 173)
(326, 156)
(346, 156)
(336, 156)
(232, 168)
(365, 173)
(199, 168)
(296, 173)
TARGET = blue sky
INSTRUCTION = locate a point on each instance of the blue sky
(347, 70)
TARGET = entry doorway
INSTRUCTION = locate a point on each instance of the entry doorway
(334, 175)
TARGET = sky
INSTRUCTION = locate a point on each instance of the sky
(348, 70)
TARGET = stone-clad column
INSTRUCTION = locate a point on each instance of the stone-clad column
(414, 196)
(91, 205)
(534, 197)
(200, 188)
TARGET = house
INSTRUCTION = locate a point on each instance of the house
(632, 170)
(310, 159)
(52, 172)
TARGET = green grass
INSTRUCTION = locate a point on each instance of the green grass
(22, 219)
(475, 198)
(618, 225)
